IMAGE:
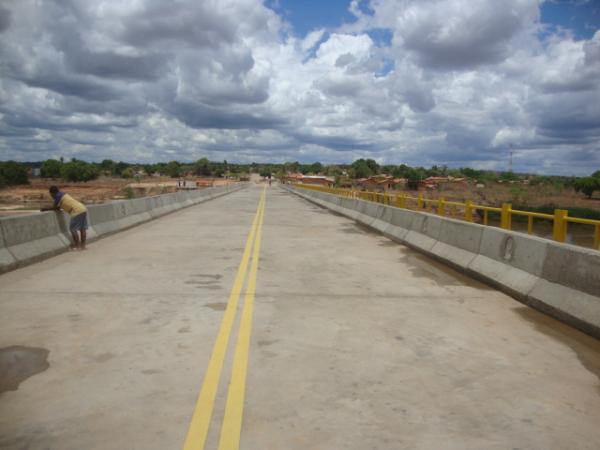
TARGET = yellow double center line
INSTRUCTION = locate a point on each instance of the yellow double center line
(232, 421)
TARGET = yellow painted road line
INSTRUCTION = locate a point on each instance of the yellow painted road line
(232, 421)
(201, 418)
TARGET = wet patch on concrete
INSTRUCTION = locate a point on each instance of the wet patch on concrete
(206, 281)
(335, 213)
(150, 371)
(585, 347)
(103, 357)
(184, 329)
(211, 277)
(358, 228)
(18, 363)
(269, 354)
(75, 317)
(147, 320)
(399, 338)
(267, 342)
(210, 287)
(18, 442)
(216, 306)
(202, 283)
(422, 266)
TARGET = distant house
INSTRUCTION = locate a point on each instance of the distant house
(318, 180)
(434, 182)
(292, 178)
(380, 183)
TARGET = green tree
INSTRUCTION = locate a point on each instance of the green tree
(470, 173)
(316, 168)
(292, 167)
(413, 174)
(304, 169)
(596, 174)
(76, 170)
(51, 168)
(373, 166)
(587, 185)
(13, 173)
(173, 169)
(120, 167)
(149, 169)
(128, 173)
(509, 176)
(333, 171)
(360, 169)
(401, 171)
(107, 165)
(202, 167)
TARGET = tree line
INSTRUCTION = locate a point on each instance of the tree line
(13, 173)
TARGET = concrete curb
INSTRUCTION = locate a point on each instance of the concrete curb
(560, 280)
(28, 239)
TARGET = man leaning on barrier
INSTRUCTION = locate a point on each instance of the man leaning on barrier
(77, 211)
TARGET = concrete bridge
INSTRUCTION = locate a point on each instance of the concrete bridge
(259, 320)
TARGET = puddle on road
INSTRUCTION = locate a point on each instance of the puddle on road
(425, 267)
(103, 357)
(19, 363)
(204, 275)
(585, 347)
(216, 306)
(210, 287)
(358, 228)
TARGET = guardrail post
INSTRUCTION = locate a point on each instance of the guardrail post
(441, 209)
(597, 237)
(401, 201)
(560, 225)
(420, 202)
(469, 211)
(505, 216)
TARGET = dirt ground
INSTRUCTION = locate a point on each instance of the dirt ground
(27, 198)
(517, 194)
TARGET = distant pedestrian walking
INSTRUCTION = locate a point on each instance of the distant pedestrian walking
(78, 212)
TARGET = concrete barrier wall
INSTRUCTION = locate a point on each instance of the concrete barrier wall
(31, 238)
(559, 279)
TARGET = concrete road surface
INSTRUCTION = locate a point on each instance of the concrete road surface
(356, 343)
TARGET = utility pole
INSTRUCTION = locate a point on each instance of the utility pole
(510, 163)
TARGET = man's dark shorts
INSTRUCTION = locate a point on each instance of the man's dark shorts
(79, 222)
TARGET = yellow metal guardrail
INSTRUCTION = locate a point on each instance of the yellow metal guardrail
(560, 219)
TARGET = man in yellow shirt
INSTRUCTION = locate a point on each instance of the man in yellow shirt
(77, 211)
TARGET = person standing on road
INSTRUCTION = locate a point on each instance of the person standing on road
(78, 212)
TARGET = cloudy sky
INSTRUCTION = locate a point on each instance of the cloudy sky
(421, 82)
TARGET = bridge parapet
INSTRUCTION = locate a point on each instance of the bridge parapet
(560, 279)
(34, 237)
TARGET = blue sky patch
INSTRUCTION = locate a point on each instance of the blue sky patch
(382, 37)
(309, 15)
(580, 16)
